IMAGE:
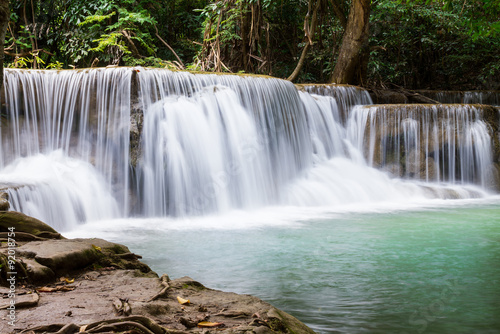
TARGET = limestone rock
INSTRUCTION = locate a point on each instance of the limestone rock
(73, 254)
(60, 255)
(388, 97)
(4, 202)
(23, 223)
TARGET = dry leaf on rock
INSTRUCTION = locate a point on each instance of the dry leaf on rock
(208, 324)
(63, 288)
(183, 301)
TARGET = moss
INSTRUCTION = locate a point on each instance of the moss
(283, 322)
(157, 309)
(194, 285)
(23, 223)
(277, 325)
(118, 249)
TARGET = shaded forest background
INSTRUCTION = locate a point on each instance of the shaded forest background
(450, 45)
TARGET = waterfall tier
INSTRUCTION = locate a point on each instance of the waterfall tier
(438, 143)
(106, 143)
(490, 97)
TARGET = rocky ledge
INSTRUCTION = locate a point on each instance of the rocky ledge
(95, 286)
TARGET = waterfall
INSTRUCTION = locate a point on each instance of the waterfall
(346, 96)
(483, 97)
(490, 97)
(215, 142)
(83, 115)
(95, 144)
(448, 143)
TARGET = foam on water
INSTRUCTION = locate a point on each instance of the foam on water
(55, 188)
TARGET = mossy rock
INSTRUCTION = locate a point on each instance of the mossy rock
(24, 223)
(282, 322)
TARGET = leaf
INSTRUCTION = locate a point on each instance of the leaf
(97, 248)
(204, 324)
(63, 288)
(183, 301)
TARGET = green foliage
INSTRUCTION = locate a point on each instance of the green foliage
(123, 28)
(420, 45)
(109, 40)
(26, 62)
(55, 66)
(413, 43)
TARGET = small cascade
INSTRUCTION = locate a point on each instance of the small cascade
(489, 97)
(85, 116)
(445, 96)
(438, 143)
(57, 189)
(346, 96)
(483, 97)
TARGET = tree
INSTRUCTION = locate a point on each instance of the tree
(309, 30)
(354, 49)
(4, 20)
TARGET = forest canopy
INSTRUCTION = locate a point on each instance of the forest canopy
(415, 44)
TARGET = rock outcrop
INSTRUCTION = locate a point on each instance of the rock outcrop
(96, 286)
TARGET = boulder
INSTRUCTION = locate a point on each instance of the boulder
(105, 286)
(24, 223)
(62, 256)
(388, 97)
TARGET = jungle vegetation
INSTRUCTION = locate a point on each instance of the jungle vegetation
(422, 44)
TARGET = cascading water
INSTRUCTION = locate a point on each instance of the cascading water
(483, 97)
(207, 148)
(346, 96)
(448, 143)
(65, 138)
(490, 97)
(106, 143)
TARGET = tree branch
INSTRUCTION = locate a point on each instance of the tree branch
(27, 53)
(309, 31)
(170, 48)
(339, 13)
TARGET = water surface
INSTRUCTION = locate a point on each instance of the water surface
(425, 269)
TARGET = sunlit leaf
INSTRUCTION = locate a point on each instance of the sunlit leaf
(205, 324)
(183, 301)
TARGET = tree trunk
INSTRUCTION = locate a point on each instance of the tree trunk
(309, 30)
(4, 20)
(354, 44)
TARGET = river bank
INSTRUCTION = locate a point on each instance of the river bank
(92, 285)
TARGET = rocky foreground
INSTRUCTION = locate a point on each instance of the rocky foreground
(58, 285)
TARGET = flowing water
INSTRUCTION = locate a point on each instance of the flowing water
(339, 214)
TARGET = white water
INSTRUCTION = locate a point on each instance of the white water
(58, 189)
(449, 143)
(210, 145)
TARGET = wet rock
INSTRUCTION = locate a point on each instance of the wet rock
(388, 97)
(4, 202)
(60, 255)
(66, 255)
(23, 223)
